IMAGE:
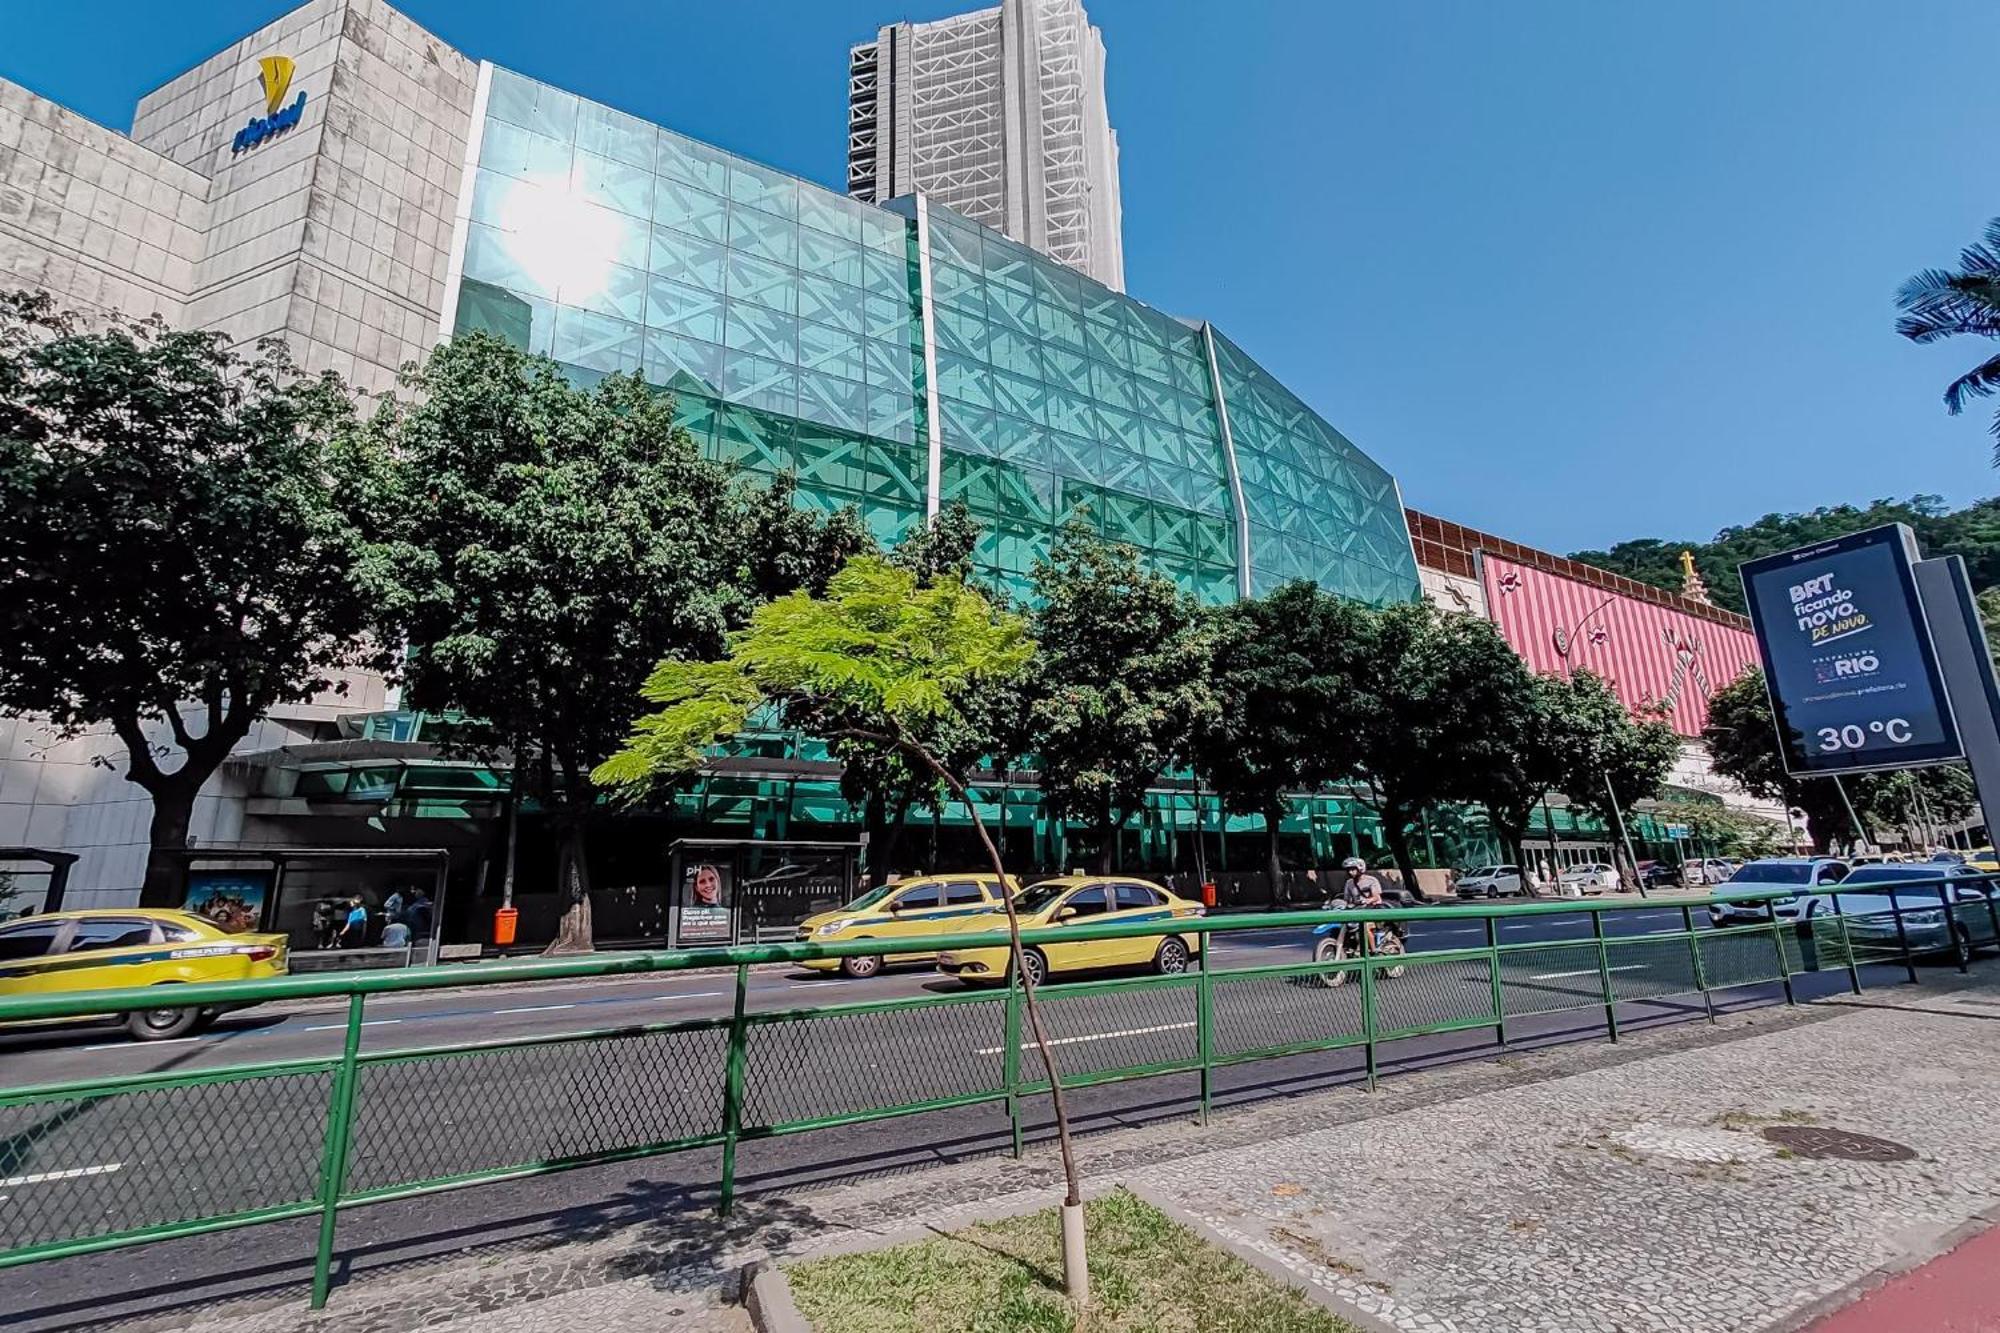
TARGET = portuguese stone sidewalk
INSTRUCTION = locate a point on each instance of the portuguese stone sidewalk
(1584, 1187)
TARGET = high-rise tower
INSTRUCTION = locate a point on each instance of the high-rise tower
(999, 115)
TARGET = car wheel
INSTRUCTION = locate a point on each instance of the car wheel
(162, 1024)
(1172, 959)
(1035, 966)
(861, 967)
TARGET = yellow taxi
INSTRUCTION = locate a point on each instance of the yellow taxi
(908, 909)
(113, 948)
(1081, 900)
(1984, 859)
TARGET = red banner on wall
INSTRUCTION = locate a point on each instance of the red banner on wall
(1649, 654)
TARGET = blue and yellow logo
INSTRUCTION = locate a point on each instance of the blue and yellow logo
(275, 77)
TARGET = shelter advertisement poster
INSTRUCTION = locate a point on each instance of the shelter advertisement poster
(707, 903)
(232, 899)
(1852, 672)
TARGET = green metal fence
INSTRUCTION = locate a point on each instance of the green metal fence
(212, 1149)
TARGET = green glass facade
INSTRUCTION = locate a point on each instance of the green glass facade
(793, 326)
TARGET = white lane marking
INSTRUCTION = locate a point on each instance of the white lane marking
(535, 1009)
(127, 1045)
(1586, 972)
(809, 985)
(1100, 1036)
(74, 1173)
(366, 1022)
(681, 995)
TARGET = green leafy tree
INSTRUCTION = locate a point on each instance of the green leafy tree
(1972, 532)
(1920, 801)
(1716, 829)
(882, 778)
(1120, 684)
(1526, 736)
(891, 652)
(1610, 760)
(1945, 303)
(1288, 685)
(1435, 684)
(541, 546)
(178, 549)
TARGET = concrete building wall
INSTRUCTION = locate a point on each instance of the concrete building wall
(334, 235)
(99, 222)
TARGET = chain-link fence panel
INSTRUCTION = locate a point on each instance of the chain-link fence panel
(1739, 956)
(1644, 969)
(841, 1063)
(1273, 1011)
(1430, 994)
(438, 1116)
(82, 1166)
(1100, 1031)
(1549, 978)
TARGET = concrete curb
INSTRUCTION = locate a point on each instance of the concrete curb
(1263, 1263)
(767, 1297)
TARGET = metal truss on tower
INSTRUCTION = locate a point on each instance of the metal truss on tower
(998, 114)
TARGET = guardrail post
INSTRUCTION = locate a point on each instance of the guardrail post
(732, 1090)
(333, 1163)
(1778, 943)
(1902, 934)
(1499, 992)
(1951, 931)
(1204, 1024)
(1011, 1059)
(1694, 952)
(1368, 999)
(1847, 944)
(1604, 972)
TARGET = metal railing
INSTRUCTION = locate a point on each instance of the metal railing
(205, 1150)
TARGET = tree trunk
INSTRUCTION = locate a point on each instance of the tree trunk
(875, 821)
(1107, 841)
(573, 934)
(1274, 866)
(173, 811)
(1077, 1281)
(1396, 833)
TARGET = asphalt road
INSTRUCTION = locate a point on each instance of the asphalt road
(100, 1164)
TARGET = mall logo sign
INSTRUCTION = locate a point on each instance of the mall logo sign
(276, 77)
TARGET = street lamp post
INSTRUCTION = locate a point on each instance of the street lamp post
(1564, 642)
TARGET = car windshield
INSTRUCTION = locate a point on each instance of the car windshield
(1480, 873)
(1037, 896)
(1773, 872)
(870, 898)
(1879, 874)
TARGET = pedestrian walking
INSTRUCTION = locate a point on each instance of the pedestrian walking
(354, 934)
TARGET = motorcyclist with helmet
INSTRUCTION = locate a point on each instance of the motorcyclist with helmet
(1365, 890)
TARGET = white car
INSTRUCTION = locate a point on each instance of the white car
(1587, 877)
(1491, 882)
(1775, 872)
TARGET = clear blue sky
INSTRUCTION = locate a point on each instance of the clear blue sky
(1573, 270)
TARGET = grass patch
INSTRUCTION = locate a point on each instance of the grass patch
(1146, 1273)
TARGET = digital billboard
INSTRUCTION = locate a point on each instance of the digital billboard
(1852, 671)
(1655, 657)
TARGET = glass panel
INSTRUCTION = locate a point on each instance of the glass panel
(762, 187)
(764, 283)
(513, 151)
(684, 365)
(766, 235)
(754, 328)
(760, 382)
(616, 290)
(831, 303)
(685, 310)
(832, 258)
(531, 105)
(830, 351)
(615, 135)
(696, 212)
(693, 163)
(596, 342)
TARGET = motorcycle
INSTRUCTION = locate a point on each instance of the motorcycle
(1337, 941)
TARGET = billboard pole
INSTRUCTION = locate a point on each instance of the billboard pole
(1965, 660)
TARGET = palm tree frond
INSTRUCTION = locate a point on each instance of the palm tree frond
(1979, 382)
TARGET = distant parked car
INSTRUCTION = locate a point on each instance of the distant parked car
(1870, 913)
(1660, 875)
(1775, 872)
(1491, 882)
(1706, 870)
(1587, 877)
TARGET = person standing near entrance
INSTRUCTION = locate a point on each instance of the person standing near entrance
(354, 933)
